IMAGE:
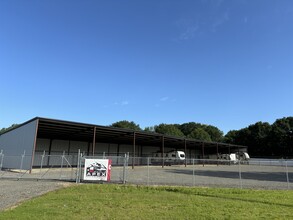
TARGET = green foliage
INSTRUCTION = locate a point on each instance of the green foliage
(109, 201)
(213, 132)
(200, 134)
(168, 129)
(126, 124)
(281, 142)
(189, 127)
(150, 129)
(192, 130)
(7, 129)
(265, 140)
(230, 137)
(258, 138)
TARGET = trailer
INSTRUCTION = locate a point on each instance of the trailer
(169, 158)
(233, 158)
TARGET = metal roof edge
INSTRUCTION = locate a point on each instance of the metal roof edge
(117, 129)
(20, 125)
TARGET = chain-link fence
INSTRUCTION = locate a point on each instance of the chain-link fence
(255, 173)
(45, 167)
(214, 173)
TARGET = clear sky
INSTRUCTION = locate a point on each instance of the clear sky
(228, 63)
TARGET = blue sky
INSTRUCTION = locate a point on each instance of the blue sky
(221, 62)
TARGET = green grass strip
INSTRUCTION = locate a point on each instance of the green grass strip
(107, 201)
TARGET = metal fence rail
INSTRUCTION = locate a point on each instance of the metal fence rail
(256, 173)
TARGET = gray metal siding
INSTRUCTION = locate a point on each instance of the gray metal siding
(15, 142)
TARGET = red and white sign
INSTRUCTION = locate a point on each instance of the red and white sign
(97, 169)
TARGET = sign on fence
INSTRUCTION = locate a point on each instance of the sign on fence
(97, 169)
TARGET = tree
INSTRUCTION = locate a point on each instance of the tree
(168, 129)
(240, 137)
(200, 134)
(215, 134)
(149, 129)
(187, 128)
(258, 139)
(230, 137)
(264, 139)
(7, 129)
(280, 139)
(126, 124)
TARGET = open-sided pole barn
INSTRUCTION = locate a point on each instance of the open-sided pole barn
(56, 137)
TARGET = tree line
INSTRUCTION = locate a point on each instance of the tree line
(262, 139)
(2, 130)
(189, 130)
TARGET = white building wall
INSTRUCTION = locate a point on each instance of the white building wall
(113, 148)
(42, 145)
(58, 146)
(78, 145)
(102, 148)
(123, 149)
(147, 151)
(17, 141)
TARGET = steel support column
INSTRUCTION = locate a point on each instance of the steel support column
(217, 154)
(163, 151)
(94, 141)
(229, 154)
(202, 153)
(194, 150)
(68, 147)
(88, 148)
(185, 152)
(118, 149)
(133, 154)
(49, 153)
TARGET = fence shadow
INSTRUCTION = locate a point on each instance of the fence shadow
(260, 176)
(234, 198)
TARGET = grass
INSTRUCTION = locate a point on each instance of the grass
(107, 201)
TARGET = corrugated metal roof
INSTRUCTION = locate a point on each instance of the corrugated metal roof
(68, 130)
(60, 129)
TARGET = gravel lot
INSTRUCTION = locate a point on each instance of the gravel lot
(13, 192)
(246, 176)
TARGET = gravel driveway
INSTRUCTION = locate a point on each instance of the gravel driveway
(12, 192)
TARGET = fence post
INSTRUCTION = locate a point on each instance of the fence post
(287, 175)
(240, 176)
(2, 156)
(22, 157)
(77, 167)
(193, 176)
(124, 169)
(80, 166)
(62, 160)
(148, 161)
(42, 160)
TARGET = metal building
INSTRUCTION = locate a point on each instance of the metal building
(56, 137)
